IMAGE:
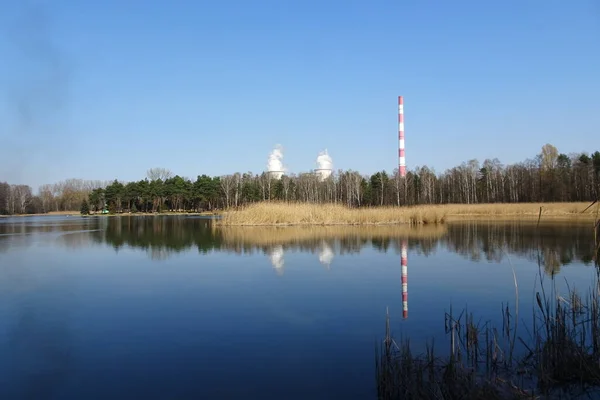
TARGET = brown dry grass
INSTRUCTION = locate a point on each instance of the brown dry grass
(279, 213)
(271, 235)
(61, 213)
(520, 210)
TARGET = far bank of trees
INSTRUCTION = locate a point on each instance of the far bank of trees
(549, 177)
(62, 196)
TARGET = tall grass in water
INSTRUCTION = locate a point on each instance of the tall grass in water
(562, 351)
(568, 211)
(559, 357)
(281, 213)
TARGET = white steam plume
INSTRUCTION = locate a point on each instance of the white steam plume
(275, 163)
(324, 165)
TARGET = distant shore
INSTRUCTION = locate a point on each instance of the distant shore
(50, 213)
(307, 214)
(124, 214)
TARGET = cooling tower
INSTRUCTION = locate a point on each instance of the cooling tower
(275, 174)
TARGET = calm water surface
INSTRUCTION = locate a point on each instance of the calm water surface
(174, 308)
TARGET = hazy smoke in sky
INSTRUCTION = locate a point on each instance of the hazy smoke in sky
(34, 91)
(324, 165)
(275, 163)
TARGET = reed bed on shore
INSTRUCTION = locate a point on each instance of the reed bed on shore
(521, 210)
(274, 235)
(281, 213)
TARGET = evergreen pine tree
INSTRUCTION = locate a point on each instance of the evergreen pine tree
(85, 208)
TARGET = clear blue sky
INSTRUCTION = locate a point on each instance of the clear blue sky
(104, 90)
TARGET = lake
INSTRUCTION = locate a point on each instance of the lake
(172, 307)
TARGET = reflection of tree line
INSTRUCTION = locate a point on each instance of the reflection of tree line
(22, 232)
(164, 235)
(24, 226)
(553, 245)
(159, 235)
(556, 244)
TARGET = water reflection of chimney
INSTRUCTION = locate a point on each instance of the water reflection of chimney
(325, 254)
(404, 263)
(276, 257)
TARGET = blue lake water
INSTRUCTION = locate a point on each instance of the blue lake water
(175, 308)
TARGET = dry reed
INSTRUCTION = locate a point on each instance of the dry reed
(280, 213)
(560, 356)
(520, 210)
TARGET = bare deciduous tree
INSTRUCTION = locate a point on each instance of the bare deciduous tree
(23, 197)
(549, 156)
(155, 174)
(20, 195)
(285, 182)
(227, 185)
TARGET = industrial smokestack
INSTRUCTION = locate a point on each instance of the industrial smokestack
(275, 163)
(401, 156)
(324, 165)
(404, 263)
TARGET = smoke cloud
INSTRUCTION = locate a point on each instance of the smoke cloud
(34, 91)
(275, 164)
(324, 165)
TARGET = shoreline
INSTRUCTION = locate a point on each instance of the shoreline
(138, 214)
(279, 214)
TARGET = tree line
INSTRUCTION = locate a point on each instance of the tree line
(548, 177)
(67, 195)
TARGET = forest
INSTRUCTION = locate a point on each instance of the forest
(548, 177)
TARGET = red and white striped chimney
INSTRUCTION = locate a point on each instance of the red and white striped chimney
(404, 262)
(401, 156)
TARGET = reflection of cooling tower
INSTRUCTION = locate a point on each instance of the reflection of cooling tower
(324, 165)
(404, 262)
(326, 255)
(276, 257)
(275, 167)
